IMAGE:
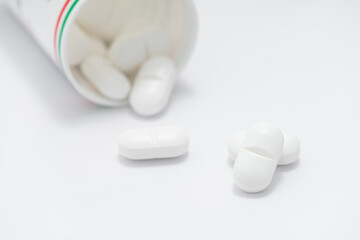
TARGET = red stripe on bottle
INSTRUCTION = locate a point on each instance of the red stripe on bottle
(57, 30)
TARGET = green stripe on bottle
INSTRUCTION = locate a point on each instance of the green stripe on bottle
(62, 31)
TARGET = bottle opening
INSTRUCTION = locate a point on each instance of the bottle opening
(106, 41)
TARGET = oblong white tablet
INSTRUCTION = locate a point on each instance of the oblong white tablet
(235, 144)
(106, 78)
(153, 86)
(153, 143)
(290, 153)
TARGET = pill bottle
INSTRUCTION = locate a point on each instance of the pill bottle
(50, 21)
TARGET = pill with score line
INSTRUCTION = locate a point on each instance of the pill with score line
(153, 143)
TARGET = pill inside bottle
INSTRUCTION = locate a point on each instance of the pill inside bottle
(124, 34)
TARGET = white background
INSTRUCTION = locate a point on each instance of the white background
(292, 62)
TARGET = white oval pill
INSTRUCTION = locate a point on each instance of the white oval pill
(78, 46)
(153, 86)
(153, 143)
(257, 160)
(290, 153)
(106, 78)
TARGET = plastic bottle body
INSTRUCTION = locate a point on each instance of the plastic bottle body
(50, 22)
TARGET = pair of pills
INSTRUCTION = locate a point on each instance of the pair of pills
(257, 153)
(125, 58)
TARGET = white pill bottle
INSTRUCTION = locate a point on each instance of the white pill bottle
(50, 21)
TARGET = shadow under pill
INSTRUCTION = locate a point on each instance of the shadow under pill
(152, 162)
(231, 163)
(288, 168)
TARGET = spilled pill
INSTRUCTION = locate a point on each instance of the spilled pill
(153, 143)
(258, 158)
(109, 81)
(153, 86)
(290, 153)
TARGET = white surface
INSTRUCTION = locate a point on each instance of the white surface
(235, 144)
(296, 62)
(153, 143)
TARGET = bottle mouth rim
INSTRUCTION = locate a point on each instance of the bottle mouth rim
(180, 55)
